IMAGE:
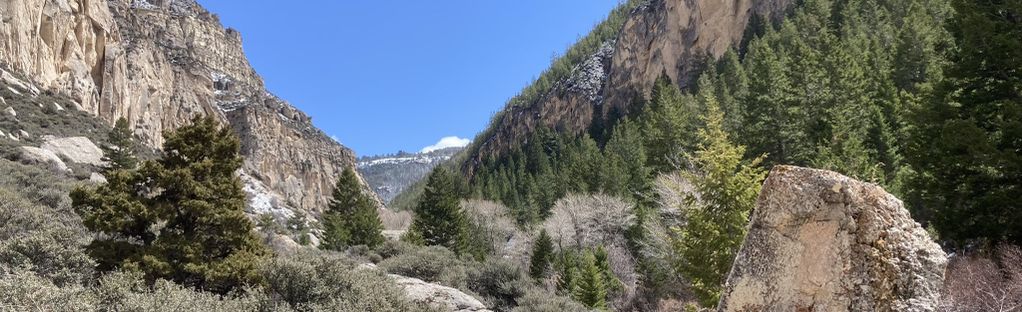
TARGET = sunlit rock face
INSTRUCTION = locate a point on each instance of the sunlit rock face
(820, 241)
(160, 63)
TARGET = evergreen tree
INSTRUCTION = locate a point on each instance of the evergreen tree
(439, 220)
(611, 281)
(667, 120)
(765, 109)
(592, 287)
(624, 162)
(120, 153)
(181, 218)
(542, 252)
(968, 135)
(568, 278)
(848, 117)
(351, 218)
(727, 188)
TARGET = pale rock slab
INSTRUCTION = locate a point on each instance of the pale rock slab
(97, 178)
(450, 299)
(37, 155)
(820, 241)
(76, 149)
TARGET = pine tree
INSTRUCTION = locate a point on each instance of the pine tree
(592, 287)
(728, 187)
(848, 116)
(603, 263)
(968, 135)
(351, 218)
(439, 220)
(120, 153)
(568, 275)
(542, 253)
(766, 108)
(624, 159)
(181, 218)
(667, 120)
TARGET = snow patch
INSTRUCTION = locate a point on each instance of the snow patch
(261, 200)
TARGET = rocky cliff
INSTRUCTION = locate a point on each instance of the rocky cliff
(820, 241)
(659, 36)
(159, 63)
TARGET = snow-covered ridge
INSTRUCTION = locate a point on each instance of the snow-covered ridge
(413, 159)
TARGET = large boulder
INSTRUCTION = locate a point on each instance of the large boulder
(37, 155)
(79, 150)
(820, 241)
(446, 298)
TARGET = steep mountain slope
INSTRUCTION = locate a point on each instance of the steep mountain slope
(643, 40)
(159, 63)
(389, 175)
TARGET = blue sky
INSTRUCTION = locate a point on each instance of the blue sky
(383, 76)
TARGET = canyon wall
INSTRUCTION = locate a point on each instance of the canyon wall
(160, 63)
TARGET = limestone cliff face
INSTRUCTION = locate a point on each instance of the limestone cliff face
(660, 36)
(159, 63)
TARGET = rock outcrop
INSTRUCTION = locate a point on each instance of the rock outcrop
(79, 150)
(37, 155)
(158, 64)
(447, 298)
(661, 36)
(820, 241)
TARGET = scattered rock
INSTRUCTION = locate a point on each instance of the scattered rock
(37, 155)
(282, 244)
(440, 296)
(77, 149)
(97, 178)
(58, 107)
(11, 111)
(820, 241)
(24, 134)
(11, 80)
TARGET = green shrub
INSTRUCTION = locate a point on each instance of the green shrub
(393, 248)
(42, 235)
(541, 300)
(320, 281)
(23, 290)
(432, 264)
(499, 282)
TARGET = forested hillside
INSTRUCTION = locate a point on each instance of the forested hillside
(900, 93)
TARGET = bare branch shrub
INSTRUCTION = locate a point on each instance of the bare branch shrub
(981, 283)
(492, 226)
(395, 220)
(662, 279)
(588, 221)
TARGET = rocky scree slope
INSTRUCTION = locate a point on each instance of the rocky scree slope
(159, 63)
(658, 37)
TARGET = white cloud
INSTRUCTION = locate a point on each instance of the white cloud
(451, 141)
